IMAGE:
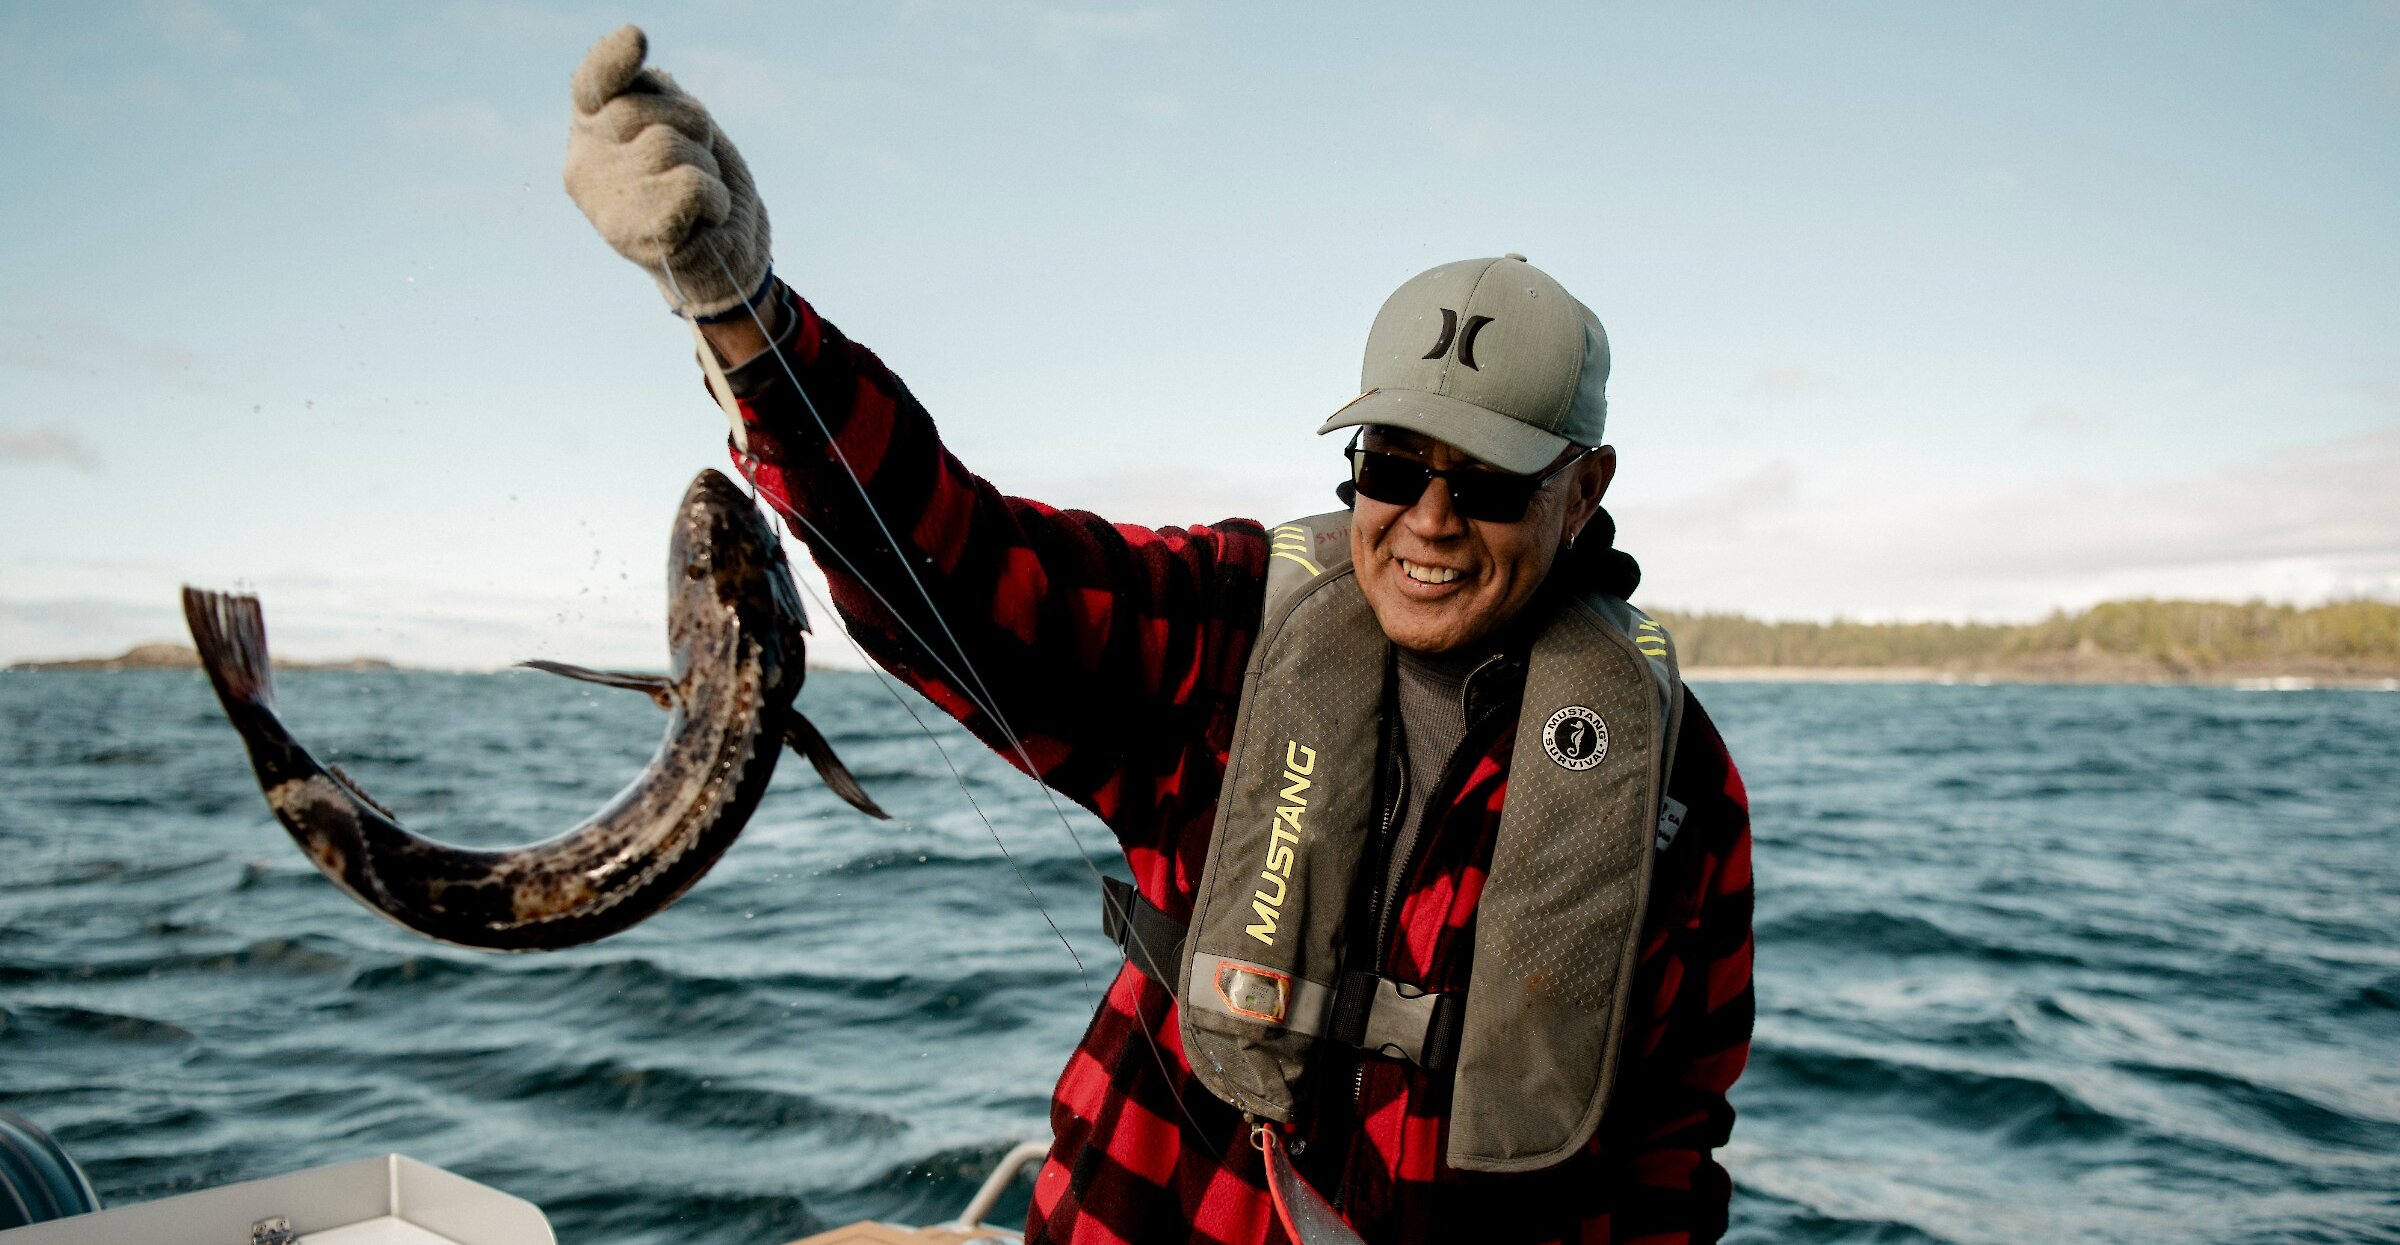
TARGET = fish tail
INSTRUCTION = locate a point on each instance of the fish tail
(231, 634)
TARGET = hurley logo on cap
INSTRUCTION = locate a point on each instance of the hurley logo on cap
(1466, 339)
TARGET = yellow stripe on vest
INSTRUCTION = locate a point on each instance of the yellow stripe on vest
(1291, 544)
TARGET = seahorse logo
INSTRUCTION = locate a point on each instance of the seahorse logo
(1576, 738)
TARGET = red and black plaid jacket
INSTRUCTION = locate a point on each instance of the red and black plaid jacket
(1116, 654)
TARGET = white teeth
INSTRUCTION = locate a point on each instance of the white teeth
(1428, 574)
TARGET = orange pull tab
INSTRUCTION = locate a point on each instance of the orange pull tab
(1307, 1217)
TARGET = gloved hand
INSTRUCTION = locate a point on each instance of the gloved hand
(662, 185)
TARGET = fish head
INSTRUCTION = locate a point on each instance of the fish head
(725, 560)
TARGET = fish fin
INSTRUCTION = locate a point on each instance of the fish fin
(658, 687)
(350, 785)
(230, 633)
(802, 735)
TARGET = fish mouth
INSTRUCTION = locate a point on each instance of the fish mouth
(721, 535)
(714, 508)
(713, 492)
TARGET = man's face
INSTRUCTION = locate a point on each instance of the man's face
(1439, 582)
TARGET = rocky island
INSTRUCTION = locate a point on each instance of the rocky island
(183, 657)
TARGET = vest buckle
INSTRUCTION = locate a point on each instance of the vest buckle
(1385, 1017)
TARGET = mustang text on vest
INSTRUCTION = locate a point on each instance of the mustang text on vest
(1298, 761)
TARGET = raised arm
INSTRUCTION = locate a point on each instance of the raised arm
(1103, 646)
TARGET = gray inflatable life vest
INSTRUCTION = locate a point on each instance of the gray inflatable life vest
(1560, 919)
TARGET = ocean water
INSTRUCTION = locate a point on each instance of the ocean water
(2035, 964)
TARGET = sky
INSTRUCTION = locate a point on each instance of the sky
(1918, 311)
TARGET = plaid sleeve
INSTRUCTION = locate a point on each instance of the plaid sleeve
(1671, 1111)
(1106, 648)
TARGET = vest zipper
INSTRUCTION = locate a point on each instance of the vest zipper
(1387, 906)
(1396, 748)
(1387, 896)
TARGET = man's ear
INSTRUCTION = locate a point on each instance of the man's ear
(1590, 483)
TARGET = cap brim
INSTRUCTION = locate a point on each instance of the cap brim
(1509, 444)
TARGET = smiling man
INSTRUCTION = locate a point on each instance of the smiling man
(1439, 927)
(1493, 376)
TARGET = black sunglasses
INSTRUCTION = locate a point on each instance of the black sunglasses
(1475, 492)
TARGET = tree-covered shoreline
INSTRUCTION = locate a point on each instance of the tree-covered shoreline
(2132, 641)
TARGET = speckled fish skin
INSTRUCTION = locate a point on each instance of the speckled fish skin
(734, 626)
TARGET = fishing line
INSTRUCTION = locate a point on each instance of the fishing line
(1149, 1040)
(980, 695)
(723, 391)
(883, 681)
(989, 703)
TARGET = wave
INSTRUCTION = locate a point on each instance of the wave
(37, 1022)
(275, 956)
(2020, 1108)
(1779, 1221)
(617, 1088)
(106, 870)
(2007, 982)
(1895, 934)
(2256, 1105)
(2380, 996)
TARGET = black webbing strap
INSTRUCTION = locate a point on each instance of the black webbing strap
(1370, 1012)
(1152, 940)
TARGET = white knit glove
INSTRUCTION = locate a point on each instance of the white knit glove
(662, 185)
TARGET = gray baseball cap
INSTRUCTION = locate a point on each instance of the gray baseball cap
(1491, 356)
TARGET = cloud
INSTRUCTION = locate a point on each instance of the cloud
(102, 105)
(91, 349)
(2306, 525)
(1732, 506)
(1180, 497)
(46, 445)
(329, 616)
(70, 606)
